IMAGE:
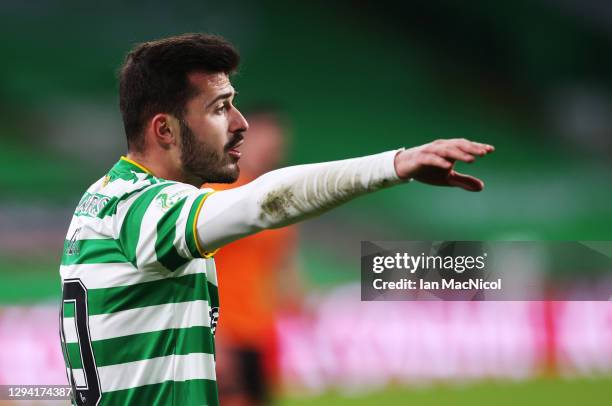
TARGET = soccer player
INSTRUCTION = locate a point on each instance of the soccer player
(140, 297)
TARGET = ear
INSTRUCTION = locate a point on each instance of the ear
(165, 130)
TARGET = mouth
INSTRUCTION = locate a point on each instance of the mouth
(233, 150)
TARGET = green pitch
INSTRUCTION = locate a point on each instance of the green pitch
(542, 392)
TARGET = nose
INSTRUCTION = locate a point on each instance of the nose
(238, 123)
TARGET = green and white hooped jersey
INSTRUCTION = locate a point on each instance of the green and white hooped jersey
(140, 298)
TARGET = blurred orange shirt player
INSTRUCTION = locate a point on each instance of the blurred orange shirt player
(256, 276)
(249, 286)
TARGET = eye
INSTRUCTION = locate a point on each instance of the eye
(222, 108)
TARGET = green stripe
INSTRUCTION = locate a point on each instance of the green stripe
(98, 251)
(125, 170)
(143, 346)
(195, 392)
(68, 309)
(130, 229)
(189, 236)
(110, 209)
(167, 255)
(74, 353)
(213, 294)
(167, 290)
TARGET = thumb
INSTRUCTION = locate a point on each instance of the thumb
(466, 182)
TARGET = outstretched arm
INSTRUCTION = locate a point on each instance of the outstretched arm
(292, 194)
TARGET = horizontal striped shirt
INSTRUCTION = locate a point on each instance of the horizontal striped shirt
(140, 298)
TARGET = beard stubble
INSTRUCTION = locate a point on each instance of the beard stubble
(203, 162)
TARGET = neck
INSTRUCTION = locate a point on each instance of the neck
(162, 166)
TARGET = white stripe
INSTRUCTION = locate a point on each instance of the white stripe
(79, 377)
(119, 187)
(211, 271)
(148, 319)
(70, 333)
(197, 265)
(109, 226)
(90, 228)
(157, 370)
(100, 276)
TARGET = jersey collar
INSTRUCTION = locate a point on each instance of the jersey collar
(133, 165)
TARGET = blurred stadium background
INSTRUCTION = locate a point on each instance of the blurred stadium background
(531, 77)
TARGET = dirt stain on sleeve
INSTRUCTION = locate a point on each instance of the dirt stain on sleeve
(276, 204)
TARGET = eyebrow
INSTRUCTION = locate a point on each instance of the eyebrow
(222, 96)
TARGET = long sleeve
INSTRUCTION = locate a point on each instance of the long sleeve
(289, 195)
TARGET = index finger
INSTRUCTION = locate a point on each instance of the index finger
(474, 147)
